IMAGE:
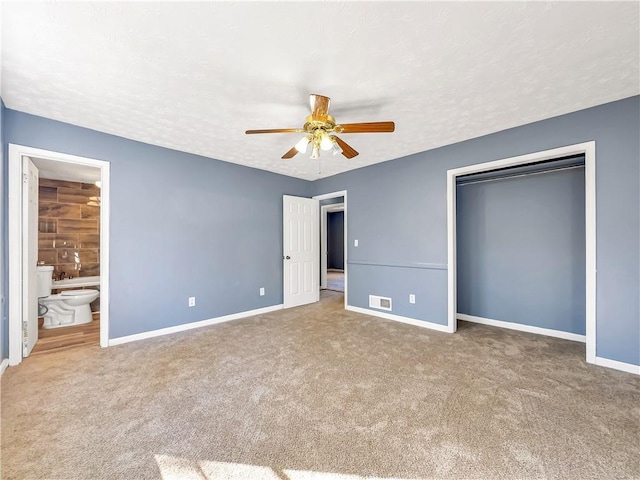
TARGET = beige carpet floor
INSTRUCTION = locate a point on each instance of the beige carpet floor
(316, 392)
(335, 281)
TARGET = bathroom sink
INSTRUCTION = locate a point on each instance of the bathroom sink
(77, 282)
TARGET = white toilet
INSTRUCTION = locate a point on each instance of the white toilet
(70, 307)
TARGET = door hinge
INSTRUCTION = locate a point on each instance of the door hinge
(25, 178)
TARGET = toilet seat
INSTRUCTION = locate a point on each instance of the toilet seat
(70, 293)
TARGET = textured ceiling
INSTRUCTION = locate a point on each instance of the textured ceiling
(195, 76)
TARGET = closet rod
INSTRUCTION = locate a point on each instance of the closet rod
(516, 175)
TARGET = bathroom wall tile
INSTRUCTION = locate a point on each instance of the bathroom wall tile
(77, 269)
(46, 240)
(47, 225)
(69, 269)
(89, 270)
(92, 187)
(70, 225)
(67, 255)
(59, 210)
(47, 182)
(88, 211)
(73, 195)
(54, 274)
(89, 255)
(48, 255)
(89, 240)
(67, 240)
(47, 194)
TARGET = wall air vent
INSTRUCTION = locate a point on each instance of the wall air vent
(382, 303)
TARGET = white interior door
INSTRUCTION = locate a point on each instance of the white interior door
(300, 258)
(30, 257)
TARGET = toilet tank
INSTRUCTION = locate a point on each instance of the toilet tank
(45, 274)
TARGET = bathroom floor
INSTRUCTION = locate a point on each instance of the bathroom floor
(56, 339)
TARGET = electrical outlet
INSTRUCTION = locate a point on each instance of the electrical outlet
(192, 301)
(412, 298)
(355, 243)
(261, 291)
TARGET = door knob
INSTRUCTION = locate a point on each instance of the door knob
(287, 257)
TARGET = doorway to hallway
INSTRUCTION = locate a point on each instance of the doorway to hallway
(335, 249)
(333, 242)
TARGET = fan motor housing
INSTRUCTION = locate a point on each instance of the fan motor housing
(327, 125)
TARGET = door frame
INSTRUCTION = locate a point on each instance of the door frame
(588, 149)
(17, 240)
(324, 239)
(326, 196)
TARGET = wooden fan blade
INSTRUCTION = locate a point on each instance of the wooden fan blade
(347, 151)
(276, 130)
(319, 106)
(371, 127)
(291, 153)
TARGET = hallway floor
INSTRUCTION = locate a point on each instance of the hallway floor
(335, 280)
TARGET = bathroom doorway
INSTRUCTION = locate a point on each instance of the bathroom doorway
(69, 221)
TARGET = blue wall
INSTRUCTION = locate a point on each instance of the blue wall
(335, 240)
(181, 225)
(215, 228)
(403, 233)
(521, 249)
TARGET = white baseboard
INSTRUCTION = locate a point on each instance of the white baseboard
(523, 328)
(4, 365)
(192, 325)
(398, 318)
(625, 367)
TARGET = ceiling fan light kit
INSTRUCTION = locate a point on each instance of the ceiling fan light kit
(318, 130)
(315, 153)
(325, 142)
(302, 145)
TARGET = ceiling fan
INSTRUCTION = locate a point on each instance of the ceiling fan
(320, 129)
